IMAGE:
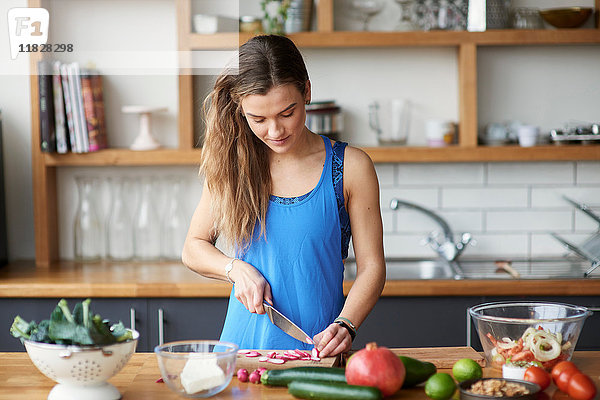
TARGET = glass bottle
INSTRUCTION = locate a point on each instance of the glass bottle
(87, 226)
(119, 224)
(146, 224)
(174, 221)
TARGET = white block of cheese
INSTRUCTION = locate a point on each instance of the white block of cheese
(201, 373)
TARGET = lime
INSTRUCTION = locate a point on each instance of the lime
(440, 386)
(466, 369)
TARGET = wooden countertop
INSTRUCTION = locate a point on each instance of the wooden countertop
(19, 379)
(70, 279)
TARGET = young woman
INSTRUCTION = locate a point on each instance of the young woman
(283, 199)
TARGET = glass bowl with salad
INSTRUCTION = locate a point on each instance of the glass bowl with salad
(520, 334)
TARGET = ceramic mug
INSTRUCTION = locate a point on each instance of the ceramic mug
(527, 135)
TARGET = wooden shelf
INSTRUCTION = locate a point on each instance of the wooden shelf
(124, 157)
(418, 38)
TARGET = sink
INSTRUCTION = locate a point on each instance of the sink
(480, 268)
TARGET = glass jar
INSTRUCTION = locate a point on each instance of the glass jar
(119, 224)
(174, 221)
(250, 24)
(87, 226)
(527, 18)
(146, 224)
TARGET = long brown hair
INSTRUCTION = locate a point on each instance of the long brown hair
(235, 162)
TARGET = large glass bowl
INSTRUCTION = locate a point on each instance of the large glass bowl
(196, 368)
(520, 332)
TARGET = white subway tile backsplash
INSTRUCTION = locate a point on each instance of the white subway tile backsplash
(499, 245)
(426, 197)
(585, 223)
(387, 218)
(529, 221)
(385, 174)
(530, 173)
(464, 221)
(440, 174)
(544, 245)
(402, 246)
(588, 172)
(484, 198)
(412, 221)
(552, 197)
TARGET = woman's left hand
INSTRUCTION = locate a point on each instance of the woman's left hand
(335, 339)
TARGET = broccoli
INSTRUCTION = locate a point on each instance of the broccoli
(21, 329)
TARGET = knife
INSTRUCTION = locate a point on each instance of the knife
(283, 323)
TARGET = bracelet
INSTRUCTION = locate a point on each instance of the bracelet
(348, 328)
(347, 321)
(228, 269)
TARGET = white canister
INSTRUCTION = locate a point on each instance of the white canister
(436, 131)
(527, 135)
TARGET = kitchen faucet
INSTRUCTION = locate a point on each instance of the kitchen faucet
(445, 248)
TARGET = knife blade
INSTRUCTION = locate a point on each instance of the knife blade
(283, 323)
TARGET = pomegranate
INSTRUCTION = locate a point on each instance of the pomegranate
(377, 367)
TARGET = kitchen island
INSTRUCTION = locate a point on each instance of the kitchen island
(19, 379)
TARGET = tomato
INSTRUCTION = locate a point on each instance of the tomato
(538, 375)
(581, 387)
(563, 379)
(560, 367)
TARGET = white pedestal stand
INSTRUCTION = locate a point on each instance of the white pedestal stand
(144, 140)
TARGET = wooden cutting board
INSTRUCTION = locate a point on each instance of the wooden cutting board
(252, 363)
(441, 357)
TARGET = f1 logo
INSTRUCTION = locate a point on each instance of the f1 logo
(27, 26)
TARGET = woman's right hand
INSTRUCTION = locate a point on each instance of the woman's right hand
(250, 287)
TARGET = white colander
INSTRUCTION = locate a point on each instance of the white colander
(81, 372)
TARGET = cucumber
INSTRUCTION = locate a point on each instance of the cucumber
(332, 391)
(282, 377)
(417, 371)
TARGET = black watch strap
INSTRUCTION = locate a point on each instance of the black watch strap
(348, 328)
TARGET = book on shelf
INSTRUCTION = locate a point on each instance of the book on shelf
(60, 118)
(91, 89)
(74, 75)
(64, 74)
(71, 108)
(46, 107)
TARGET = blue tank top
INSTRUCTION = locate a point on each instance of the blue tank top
(301, 258)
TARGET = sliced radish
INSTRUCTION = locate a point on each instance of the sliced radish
(315, 353)
(276, 361)
(253, 354)
(272, 354)
(263, 359)
(315, 359)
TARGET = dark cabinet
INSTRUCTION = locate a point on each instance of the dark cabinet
(417, 322)
(185, 318)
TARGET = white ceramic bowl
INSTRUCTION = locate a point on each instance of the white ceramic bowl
(197, 368)
(81, 371)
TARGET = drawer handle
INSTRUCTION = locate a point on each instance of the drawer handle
(132, 318)
(161, 331)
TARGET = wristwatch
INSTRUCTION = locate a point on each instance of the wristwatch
(228, 269)
(348, 325)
